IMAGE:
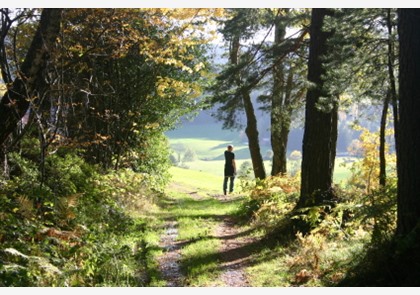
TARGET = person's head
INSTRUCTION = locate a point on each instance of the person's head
(230, 147)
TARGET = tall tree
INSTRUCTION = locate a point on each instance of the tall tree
(131, 74)
(279, 122)
(370, 50)
(320, 134)
(392, 92)
(287, 87)
(234, 84)
(364, 45)
(29, 76)
(408, 161)
(261, 65)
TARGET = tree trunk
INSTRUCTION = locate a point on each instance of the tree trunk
(382, 158)
(251, 131)
(408, 163)
(320, 135)
(393, 88)
(278, 139)
(276, 124)
(16, 100)
(391, 96)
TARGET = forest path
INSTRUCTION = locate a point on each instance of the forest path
(233, 253)
(232, 256)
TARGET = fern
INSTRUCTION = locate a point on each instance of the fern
(26, 207)
(65, 208)
(15, 253)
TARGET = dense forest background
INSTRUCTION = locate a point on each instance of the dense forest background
(88, 96)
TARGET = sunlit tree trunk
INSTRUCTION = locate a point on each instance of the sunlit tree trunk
(392, 80)
(251, 129)
(279, 136)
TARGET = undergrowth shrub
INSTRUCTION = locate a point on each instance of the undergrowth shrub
(270, 200)
(341, 233)
(68, 225)
(152, 159)
(131, 190)
(340, 241)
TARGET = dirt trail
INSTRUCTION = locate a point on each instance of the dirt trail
(232, 260)
(169, 261)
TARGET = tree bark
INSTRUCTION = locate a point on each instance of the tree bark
(320, 134)
(392, 82)
(408, 160)
(15, 102)
(382, 142)
(391, 97)
(278, 135)
(251, 131)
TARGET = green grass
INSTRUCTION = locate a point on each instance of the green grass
(268, 271)
(197, 218)
(209, 142)
(269, 266)
(215, 168)
(199, 211)
(194, 180)
(325, 260)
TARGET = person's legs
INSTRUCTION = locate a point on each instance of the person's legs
(231, 184)
(225, 184)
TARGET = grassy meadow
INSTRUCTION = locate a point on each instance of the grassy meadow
(206, 143)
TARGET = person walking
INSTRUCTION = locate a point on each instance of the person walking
(230, 170)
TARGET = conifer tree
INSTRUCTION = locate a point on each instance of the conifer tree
(320, 134)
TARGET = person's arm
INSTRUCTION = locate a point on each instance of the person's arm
(234, 166)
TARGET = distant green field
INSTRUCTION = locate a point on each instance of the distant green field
(197, 180)
(208, 142)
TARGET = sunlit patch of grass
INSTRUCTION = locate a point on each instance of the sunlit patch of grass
(197, 219)
(298, 265)
(209, 143)
(338, 259)
(198, 216)
(200, 262)
(285, 267)
(200, 182)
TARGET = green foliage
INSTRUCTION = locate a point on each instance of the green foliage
(70, 225)
(358, 59)
(245, 172)
(143, 80)
(378, 212)
(365, 173)
(24, 174)
(152, 159)
(270, 200)
(341, 234)
(132, 191)
(189, 155)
